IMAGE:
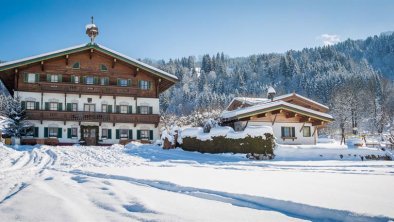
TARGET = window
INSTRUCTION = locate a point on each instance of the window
(29, 132)
(288, 132)
(74, 132)
(104, 108)
(144, 134)
(143, 84)
(103, 68)
(104, 81)
(52, 132)
(89, 108)
(53, 106)
(306, 131)
(32, 78)
(74, 107)
(123, 82)
(75, 79)
(89, 80)
(124, 109)
(76, 65)
(144, 110)
(54, 78)
(104, 133)
(30, 105)
(124, 133)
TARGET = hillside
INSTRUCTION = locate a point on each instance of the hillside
(360, 70)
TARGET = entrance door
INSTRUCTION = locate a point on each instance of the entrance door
(89, 135)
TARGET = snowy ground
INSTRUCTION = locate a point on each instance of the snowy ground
(145, 183)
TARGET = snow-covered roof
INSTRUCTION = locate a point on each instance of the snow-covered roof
(88, 26)
(251, 101)
(268, 105)
(271, 90)
(32, 59)
(298, 95)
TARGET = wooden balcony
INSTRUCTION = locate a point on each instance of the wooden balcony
(71, 88)
(92, 117)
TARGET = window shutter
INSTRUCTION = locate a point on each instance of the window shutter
(69, 133)
(60, 78)
(69, 106)
(117, 134)
(35, 131)
(46, 106)
(106, 81)
(109, 108)
(129, 82)
(95, 80)
(150, 109)
(151, 134)
(139, 83)
(117, 109)
(23, 105)
(130, 134)
(138, 110)
(149, 84)
(45, 132)
(37, 78)
(37, 107)
(84, 79)
(293, 131)
(130, 109)
(59, 132)
(109, 134)
(138, 134)
(72, 79)
(118, 82)
(25, 77)
(283, 131)
(60, 106)
(48, 77)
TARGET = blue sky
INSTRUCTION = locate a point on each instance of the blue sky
(164, 29)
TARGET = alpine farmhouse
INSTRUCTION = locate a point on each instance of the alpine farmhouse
(87, 93)
(294, 119)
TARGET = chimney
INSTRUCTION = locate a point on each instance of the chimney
(271, 93)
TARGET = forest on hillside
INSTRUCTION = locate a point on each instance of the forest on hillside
(354, 78)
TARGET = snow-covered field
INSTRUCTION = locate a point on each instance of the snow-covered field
(145, 183)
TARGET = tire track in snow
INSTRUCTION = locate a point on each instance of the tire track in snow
(289, 208)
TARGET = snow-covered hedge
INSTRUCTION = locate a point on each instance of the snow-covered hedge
(254, 139)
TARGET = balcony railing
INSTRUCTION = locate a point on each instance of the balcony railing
(92, 117)
(86, 89)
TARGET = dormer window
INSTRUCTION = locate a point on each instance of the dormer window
(103, 68)
(77, 65)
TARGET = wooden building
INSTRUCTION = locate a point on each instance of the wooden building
(88, 93)
(295, 119)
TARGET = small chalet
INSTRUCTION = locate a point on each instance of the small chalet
(295, 119)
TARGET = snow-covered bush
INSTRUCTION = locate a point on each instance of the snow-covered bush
(13, 118)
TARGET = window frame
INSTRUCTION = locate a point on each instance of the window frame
(106, 108)
(76, 63)
(90, 105)
(106, 133)
(144, 84)
(74, 105)
(144, 137)
(287, 131)
(53, 104)
(143, 108)
(123, 136)
(29, 102)
(29, 77)
(126, 108)
(87, 78)
(51, 133)
(103, 66)
(54, 78)
(123, 82)
(72, 132)
(309, 132)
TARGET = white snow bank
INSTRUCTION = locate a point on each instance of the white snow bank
(227, 132)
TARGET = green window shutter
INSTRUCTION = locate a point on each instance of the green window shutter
(106, 81)
(46, 106)
(72, 79)
(25, 76)
(118, 82)
(60, 107)
(117, 134)
(48, 77)
(293, 131)
(95, 80)
(37, 77)
(151, 134)
(283, 131)
(46, 132)
(138, 110)
(84, 80)
(68, 106)
(35, 131)
(37, 106)
(130, 134)
(109, 108)
(129, 82)
(117, 109)
(60, 78)
(130, 109)
(150, 110)
(59, 132)
(23, 105)
(149, 84)
(109, 134)
(138, 134)
(69, 133)
(139, 83)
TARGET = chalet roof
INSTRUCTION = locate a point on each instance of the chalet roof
(251, 101)
(302, 97)
(275, 105)
(83, 47)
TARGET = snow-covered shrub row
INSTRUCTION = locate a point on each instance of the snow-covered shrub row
(227, 132)
(253, 140)
(170, 138)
